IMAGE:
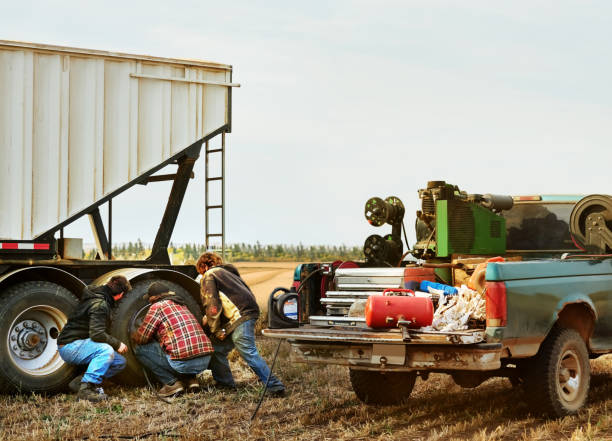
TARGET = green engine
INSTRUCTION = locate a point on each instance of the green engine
(454, 222)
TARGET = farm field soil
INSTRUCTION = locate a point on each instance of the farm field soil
(320, 406)
(263, 277)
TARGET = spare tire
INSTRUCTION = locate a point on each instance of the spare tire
(128, 314)
(32, 314)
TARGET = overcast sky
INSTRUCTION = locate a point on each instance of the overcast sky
(341, 101)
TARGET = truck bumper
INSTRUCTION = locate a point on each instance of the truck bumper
(480, 357)
(388, 351)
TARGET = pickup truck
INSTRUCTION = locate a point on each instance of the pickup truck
(545, 318)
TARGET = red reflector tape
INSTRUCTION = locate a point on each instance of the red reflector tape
(24, 246)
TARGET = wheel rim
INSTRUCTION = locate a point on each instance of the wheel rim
(32, 340)
(569, 376)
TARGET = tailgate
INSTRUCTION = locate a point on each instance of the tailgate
(396, 350)
(391, 336)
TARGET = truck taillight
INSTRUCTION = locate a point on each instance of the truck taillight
(496, 304)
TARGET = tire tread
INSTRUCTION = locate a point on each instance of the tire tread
(540, 380)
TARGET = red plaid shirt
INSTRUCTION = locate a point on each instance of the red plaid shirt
(176, 329)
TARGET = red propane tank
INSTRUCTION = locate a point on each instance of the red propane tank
(384, 311)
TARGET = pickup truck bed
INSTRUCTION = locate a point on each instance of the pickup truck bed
(549, 317)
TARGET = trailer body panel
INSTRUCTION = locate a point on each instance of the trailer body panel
(77, 125)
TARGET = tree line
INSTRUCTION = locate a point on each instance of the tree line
(240, 252)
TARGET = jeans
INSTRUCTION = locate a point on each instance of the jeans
(243, 339)
(167, 370)
(101, 359)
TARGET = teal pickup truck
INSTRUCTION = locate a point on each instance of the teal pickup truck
(545, 318)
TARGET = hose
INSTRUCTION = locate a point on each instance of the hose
(405, 238)
(263, 393)
(144, 371)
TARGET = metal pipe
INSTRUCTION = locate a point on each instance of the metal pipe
(184, 80)
(110, 229)
(223, 195)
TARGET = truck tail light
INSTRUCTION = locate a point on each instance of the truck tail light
(496, 304)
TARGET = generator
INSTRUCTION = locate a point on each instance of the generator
(453, 222)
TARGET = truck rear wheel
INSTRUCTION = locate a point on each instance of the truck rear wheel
(32, 314)
(468, 379)
(128, 315)
(559, 382)
(385, 388)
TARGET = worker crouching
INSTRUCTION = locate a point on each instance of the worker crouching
(181, 351)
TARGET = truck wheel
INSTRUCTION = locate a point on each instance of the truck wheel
(468, 380)
(128, 315)
(32, 314)
(559, 382)
(385, 388)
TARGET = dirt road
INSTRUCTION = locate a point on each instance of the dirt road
(263, 277)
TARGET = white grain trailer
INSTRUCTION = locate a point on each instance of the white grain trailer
(77, 128)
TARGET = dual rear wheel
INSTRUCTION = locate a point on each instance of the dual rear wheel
(32, 314)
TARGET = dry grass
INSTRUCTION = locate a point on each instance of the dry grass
(321, 406)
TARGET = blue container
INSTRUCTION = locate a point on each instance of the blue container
(448, 290)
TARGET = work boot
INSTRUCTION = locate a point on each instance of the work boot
(225, 386)
(91, 392)
(192, 384)
(168, 390)
(75, 384)
(277, 393)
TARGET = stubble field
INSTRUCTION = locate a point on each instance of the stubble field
(320, 405)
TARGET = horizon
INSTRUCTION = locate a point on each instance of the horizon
(344, 101)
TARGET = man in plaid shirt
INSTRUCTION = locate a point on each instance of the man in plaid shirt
(182, 349)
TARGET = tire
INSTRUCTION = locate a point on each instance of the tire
(517, 382)
(383, 388)
(558, 384)
(31, 316)
(129, 312)
(468, 380)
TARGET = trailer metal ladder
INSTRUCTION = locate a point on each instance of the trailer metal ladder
(221, 178)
